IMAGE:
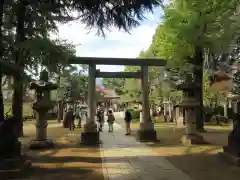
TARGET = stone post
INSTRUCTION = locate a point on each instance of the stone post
(226, 108)
(230, 103)
(146, 130)
(191, 136)
(179, 118)
(90, 134)
(170, 110)
(141, 117)
(235, 106)
(191, 127)
(13, 165)
(41, 127)
(164, 107)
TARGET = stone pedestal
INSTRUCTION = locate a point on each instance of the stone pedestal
(41, 144)
(146, 130)
(41, 141)
(12, 163)
(231, 152)
(191, 137)
(90, 136)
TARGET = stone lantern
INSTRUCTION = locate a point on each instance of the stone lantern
(42, 104)
(189, 105)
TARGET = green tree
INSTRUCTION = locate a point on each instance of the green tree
(34, 18)
(1, 55)
(236, 83)
(131, 88)
(114, 83)
(191, 27)
(210, 95)
(79, 83)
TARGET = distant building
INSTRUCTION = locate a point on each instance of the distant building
(108, 97)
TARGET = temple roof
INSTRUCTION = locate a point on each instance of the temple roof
(108, 93)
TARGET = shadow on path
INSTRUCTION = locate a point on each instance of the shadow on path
(67, 160)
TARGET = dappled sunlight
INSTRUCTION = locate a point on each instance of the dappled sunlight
(67, 160)
(78, 162)
(47, 165)
(183, 150)
(217, 127)
(199, 161)
(128, 152)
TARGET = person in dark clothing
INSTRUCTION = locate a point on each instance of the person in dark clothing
(100, 116)
(110, 120)
(70, 118)
(78, 115)
(128, 120)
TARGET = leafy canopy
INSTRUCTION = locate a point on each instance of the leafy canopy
(207, 24)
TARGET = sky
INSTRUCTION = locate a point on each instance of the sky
(117, 43)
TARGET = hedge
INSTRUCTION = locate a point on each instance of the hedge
(135, 113)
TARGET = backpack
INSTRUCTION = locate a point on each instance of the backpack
(128, 116)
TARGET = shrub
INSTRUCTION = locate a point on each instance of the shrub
(135, 113)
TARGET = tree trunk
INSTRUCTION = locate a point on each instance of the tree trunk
(17, 104)
(60, 110)
(1, 54)
(60, 101)
(198, 71)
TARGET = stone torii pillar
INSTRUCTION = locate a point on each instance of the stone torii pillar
(146, 130)
(90, 134)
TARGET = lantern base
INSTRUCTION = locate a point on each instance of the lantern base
(192, 139)
(90, 138)
(230, 156)
(147, 136)
(43, 144)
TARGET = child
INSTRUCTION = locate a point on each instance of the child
(110, 120)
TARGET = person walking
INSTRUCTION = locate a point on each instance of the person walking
(128, 119)
(110, 120)
(70, 117)
(78, 115)
(100, 115)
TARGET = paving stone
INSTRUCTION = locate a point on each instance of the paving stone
(115, 177)
(126, 159)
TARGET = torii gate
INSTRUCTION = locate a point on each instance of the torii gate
(146, 130)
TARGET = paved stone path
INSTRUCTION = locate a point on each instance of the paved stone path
(126, 159)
